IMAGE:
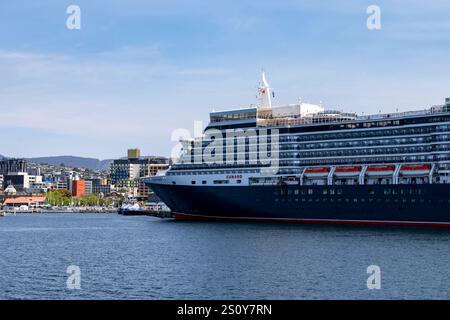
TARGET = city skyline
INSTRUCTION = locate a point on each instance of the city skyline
(137, 71)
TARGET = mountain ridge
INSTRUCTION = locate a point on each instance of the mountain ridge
(74, 161)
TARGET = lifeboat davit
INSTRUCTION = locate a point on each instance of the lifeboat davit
(380, 170)
(415, 170)
(319, 172)
(347, 171)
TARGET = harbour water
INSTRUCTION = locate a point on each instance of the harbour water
(149, 258)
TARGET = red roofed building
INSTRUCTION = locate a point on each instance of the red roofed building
(31, 202)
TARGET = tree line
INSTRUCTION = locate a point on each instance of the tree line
(63, 197)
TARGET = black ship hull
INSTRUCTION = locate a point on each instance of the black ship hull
(414, 204)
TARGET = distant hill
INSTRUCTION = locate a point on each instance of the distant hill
(72, 161)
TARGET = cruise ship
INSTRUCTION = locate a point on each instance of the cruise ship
(304, 163)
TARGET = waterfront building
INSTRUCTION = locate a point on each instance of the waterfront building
(39, 187)
(88, 186)
(126, 173)
(10, 191)
(34, 178)
(30, 202)
(60, 185)
(13, 165)
(20, 180)
(101, 186)
(104, 189)
(134, 153)
(34, 171)
(150, 169)
(78, 188)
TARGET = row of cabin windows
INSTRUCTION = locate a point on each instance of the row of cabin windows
(217, 182)
(290, 144)
(347, 135)
(322, 161)
(361, 152)
(175, 173)
(363, 134)
(385, 191)
(360, 143)
(362, 200)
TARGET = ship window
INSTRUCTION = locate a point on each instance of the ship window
(310, 191)
(220, 181)
(238, 181)
(204, 182)
(192, 182)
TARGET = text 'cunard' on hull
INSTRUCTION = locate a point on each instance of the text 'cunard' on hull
(304, 163)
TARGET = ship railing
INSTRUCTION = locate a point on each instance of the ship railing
(291, 121)
(268, 120)
(397, 114)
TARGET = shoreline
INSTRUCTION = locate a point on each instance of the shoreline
(61, 210)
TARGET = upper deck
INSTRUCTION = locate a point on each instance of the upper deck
(305, 114)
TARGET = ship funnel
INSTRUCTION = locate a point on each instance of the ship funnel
(264, 92)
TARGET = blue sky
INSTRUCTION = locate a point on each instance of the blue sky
(137, 70)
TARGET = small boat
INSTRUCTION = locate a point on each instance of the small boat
(291, 180)
(347, 171)
(380, 170)
(415, 170)
(319, 172)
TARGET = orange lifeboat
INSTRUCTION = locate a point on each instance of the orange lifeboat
(318, 172)
(415, 170)
(380, 170)
(347, 171)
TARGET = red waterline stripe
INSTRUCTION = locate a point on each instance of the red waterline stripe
(187, 216)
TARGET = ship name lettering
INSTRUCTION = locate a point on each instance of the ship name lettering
(234, 176)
